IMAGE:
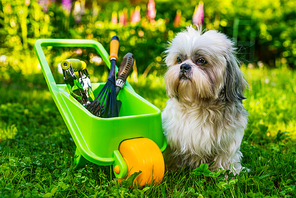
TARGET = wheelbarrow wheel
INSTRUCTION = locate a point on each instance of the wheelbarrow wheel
(142, 154)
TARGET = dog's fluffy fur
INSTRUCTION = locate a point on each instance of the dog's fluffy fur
(204, 119)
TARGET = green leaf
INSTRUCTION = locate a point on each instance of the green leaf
(203, 169)
(47, 195)
(17, 194)
(233, 181)
(63, 185)
(223, 185)
(129, 181)
(146, 188)
(263, 176)
(54, 190)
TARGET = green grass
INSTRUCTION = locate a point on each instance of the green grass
(36, 149)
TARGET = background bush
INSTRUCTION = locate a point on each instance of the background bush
(271, 26)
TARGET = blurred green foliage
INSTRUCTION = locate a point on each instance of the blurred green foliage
(24, 21)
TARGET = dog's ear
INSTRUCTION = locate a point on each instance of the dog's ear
(235, 83)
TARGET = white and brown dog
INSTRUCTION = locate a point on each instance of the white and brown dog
(204, 119)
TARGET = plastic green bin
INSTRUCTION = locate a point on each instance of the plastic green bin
(98, 139)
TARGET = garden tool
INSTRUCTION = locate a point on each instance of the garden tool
(105, 104)
(124, 70)
(80, 88)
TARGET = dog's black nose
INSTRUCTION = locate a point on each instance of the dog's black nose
(185, 67)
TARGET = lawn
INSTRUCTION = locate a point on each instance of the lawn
(36, 149)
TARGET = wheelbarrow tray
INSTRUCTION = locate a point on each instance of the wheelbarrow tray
(97, 138)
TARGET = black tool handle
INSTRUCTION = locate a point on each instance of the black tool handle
(124, 70)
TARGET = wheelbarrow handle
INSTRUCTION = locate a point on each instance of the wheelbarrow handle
(64, 43)
(67, 43)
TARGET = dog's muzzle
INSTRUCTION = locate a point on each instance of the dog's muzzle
(184, 71)
(185, 68)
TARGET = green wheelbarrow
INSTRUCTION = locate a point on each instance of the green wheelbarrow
(130, 143)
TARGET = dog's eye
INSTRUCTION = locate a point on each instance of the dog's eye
(201, 61)
(179, 60)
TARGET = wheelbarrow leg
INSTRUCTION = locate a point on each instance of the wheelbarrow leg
(79, 160)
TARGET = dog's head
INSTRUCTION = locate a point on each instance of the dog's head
(202, 66)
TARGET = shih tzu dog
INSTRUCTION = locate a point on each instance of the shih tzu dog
(204, 119)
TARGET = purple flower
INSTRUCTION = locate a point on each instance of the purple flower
(198, 15)
(44, 4)
(123, 17)
(136, 16)
(67, 4)
(77, 11)
(114, 17)
(151, 12)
